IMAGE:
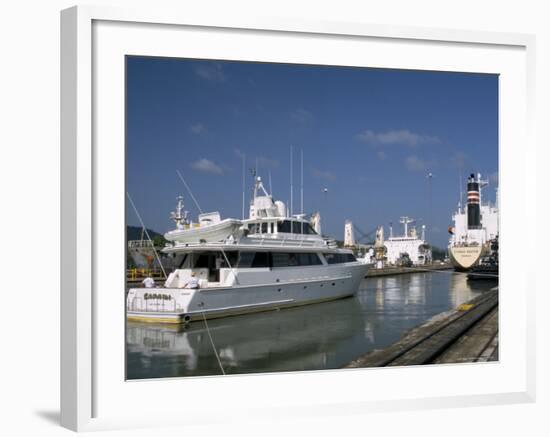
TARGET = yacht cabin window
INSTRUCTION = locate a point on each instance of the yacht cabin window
(253, 260)
(213, 260)
(277, 259)
(339, 258)
(261, 260)
(284, 259)
(295, 227)
(285, 227)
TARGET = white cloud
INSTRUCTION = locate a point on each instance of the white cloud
(211, 72)
(262, 161)
(207, 166)
(198, 128)
(414, 163)
(240, 154)
(267, 162)
(323, 174)
(403, 137)
(302, 116)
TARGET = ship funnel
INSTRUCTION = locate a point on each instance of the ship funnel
(474, 221)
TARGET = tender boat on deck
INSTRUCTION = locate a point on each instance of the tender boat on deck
(269, 261)
(210, 228)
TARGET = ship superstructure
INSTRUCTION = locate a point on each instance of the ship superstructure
(474, 226)
(408, 246)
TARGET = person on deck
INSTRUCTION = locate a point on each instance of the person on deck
(219, 264)
(148, 282)
(193, 282)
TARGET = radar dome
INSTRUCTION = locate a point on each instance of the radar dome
(281, 208)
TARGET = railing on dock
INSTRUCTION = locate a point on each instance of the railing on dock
(136, 274)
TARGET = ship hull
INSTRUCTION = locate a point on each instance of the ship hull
(177, 305)
(464, 258)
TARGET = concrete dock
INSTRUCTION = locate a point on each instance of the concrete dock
(468, 333)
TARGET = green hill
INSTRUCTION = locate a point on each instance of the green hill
(134, 233)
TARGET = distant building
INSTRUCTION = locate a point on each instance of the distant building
(349, 235)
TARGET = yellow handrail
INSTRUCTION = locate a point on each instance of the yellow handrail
(137, 273)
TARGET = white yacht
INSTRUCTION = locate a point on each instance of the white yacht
(269, 261)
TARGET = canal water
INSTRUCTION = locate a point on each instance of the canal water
(320, 336)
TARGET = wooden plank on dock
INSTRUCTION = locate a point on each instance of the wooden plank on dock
(427, 351)
(470, 346)
(491, 351)
(494, 355)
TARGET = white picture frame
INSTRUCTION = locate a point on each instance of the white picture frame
(89, 398)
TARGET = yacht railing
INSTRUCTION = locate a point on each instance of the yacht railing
(134, 274)
(139, 243)
(261, 242)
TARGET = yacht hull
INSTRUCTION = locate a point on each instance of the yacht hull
(177, 305)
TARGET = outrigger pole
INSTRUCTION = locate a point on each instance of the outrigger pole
(189, 190)
(147, 234)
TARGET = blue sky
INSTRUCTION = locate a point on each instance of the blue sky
(370, 136)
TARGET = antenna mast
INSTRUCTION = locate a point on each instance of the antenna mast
(189, 190)
(405, 221)
(244, 165)
(430, 200)
(302, 182)
(291, 184)
(302, 188)
(460, 185)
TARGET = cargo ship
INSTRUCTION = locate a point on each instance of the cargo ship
(474, 227)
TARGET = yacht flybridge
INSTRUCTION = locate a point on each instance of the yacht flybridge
(269, 261)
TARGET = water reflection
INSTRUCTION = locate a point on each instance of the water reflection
(458, 290)
(306, 338)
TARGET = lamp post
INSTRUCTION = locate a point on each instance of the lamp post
(430, 176)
